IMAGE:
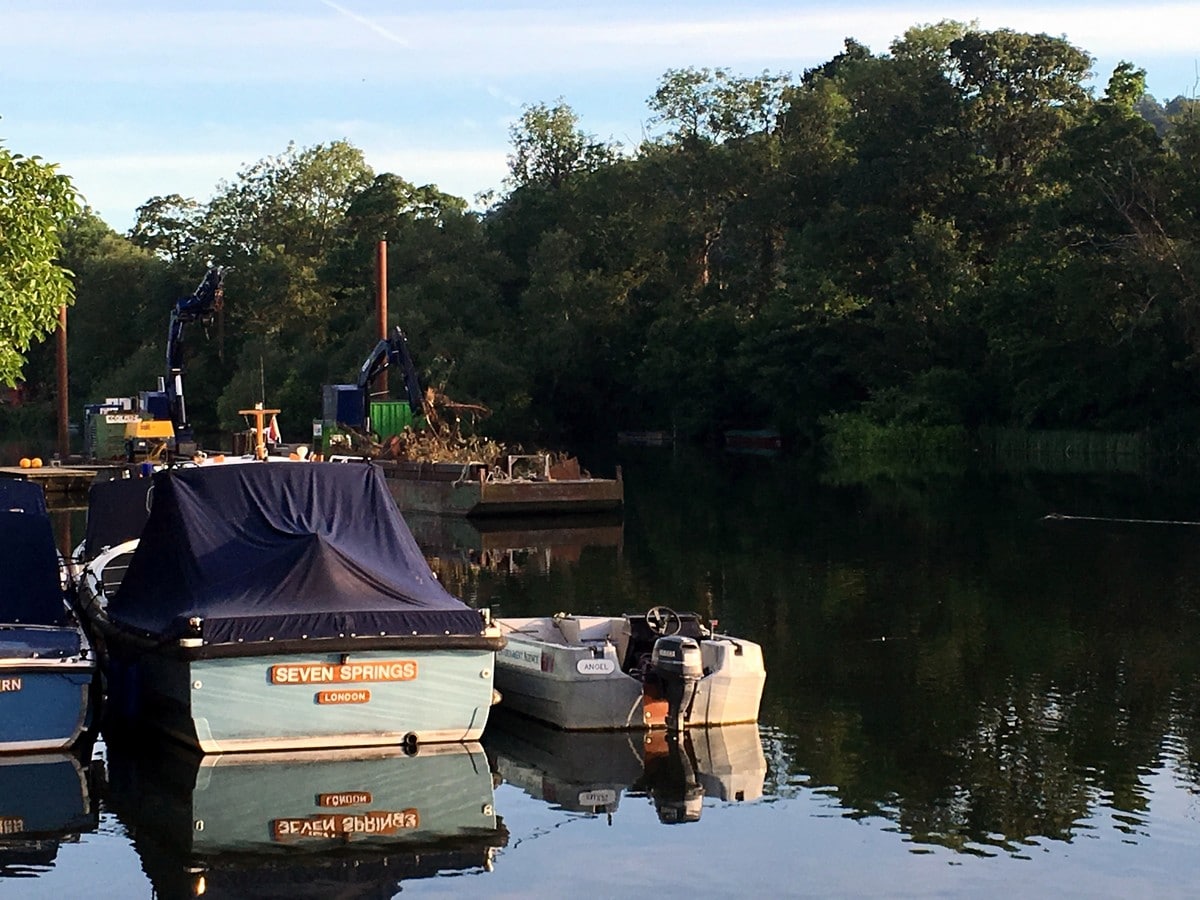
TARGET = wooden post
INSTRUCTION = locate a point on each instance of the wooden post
(64, 434)
(381, 309)
(260, 442)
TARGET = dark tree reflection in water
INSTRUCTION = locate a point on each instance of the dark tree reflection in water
(965, 694)
(940, 654)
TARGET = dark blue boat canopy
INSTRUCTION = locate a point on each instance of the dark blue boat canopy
(22, 496)
(117, 512)
(281, 551)
(30, 581)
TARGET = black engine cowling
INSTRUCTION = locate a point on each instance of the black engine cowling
(676, 660)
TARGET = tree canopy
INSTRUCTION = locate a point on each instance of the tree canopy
(954, 232)
(36, 201)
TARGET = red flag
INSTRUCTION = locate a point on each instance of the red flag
(273, 435)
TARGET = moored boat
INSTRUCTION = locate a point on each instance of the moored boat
(478, 490)
(285, 605)
(661, 669)
(47, 666)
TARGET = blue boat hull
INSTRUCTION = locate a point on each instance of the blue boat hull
(237, 704)
(43, 706)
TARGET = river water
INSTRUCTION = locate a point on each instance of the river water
(964, 697)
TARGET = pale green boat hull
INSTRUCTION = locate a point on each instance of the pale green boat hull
(230, 704)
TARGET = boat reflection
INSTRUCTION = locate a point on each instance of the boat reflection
(589, 772)
(460, 546)
(345, 823)
(45, 801)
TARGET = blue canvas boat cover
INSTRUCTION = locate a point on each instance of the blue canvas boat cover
(281, 551)
(22, 496)
(117, 512)
(30, 584)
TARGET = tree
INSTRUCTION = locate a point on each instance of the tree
(716, 164)
(275, 225)
(35, 202)
(167, 226)
(1021, 92)
(118, 322)
(713, 105)
(548, 146)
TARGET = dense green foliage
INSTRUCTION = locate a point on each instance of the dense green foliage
(35, 201)
(954, 234)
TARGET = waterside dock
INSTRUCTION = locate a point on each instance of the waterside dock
(62, 479)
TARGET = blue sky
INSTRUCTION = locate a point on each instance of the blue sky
(134, 99)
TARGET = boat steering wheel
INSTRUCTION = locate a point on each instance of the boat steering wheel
(663, 620)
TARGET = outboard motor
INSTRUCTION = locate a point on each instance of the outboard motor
(676, 661)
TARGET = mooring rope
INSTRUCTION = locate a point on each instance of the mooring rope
(1061, 517)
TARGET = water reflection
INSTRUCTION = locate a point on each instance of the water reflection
(46, 800)
(997, 693)
(940, 656)
(589, 772)
(944, 666)
(352, 823)
(474, 558)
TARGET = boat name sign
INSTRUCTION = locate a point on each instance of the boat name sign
(595, 667)
(346, 825)
(9, 685)
(11, 825)
(352, 696)
(344, 673)
(598, 797)
(521, 657)
(344, 798)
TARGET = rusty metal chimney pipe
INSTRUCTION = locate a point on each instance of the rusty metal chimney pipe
(381, 309)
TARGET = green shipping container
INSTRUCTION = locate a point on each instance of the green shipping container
(390, 417)
(106, 439)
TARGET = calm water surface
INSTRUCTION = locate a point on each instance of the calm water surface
(963, 698)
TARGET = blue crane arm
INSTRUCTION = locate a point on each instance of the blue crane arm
(392, 351)
(198, 306)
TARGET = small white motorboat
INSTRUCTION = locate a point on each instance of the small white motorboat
(660, 669)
